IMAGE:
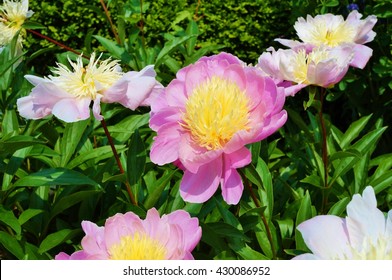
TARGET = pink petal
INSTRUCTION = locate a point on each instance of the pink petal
(94, 242)
(97, 108)
(326, 236)
(166, 145)
(232, 186)
(121, 225)
(199, 187)
(364, 219)
(189, 226)
(192, 156)
(362, 55)
(72, 110)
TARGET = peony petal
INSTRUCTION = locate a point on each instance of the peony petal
(364, 220)
(97, 108)
(232, 186)
(94, 242)
(362, 55)
(189, 226)
(199, 187)
(165, 146)
(72, 110)
(192, 156)
(326, 236)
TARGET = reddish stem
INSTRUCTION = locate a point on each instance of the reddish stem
(119, 164)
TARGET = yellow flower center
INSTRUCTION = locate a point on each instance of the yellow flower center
(332, 36)
(12, 16)
(301, 63)
(87, 81)
(215, 111)
(380, 250)
(137, 247)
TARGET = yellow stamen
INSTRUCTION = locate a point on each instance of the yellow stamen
(215, 111)
(340, 33)
(138, 247)
(87, 81)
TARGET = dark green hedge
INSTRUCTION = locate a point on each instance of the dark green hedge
(245, 28)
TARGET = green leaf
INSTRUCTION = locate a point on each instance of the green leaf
(265, 175)
(9, 63)
(192, 29)
(171, 46)
(71, 139)
(154, 196)
(96, 155)
(54, 176)
(8, 218)
(136, 158)
(304, 213)
(353, 131)
(28, 214)
(313, 180)
(10, 122)
(115, 50)
(8, 145)
(382, 182)
(70, 200)
(33, 25)
(226, 230)
(227, 216)
(339, 207)
(55, 239)
(247, 253)
(364, 145)
(11, 245)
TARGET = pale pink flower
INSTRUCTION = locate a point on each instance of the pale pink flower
(12, 16)
(205, 118)
(69, 93)
(296, 69)
(127, 237)
(332, 30)
(366, 233)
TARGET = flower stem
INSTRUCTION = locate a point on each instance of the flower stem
(263, 218)
(119, 164)
(56, 43)
(105, 8)
(324, 150)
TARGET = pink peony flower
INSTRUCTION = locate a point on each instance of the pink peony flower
(205, 118)
(332, 31)
(68, 95)
(364, 234)
(295, 69)
(127, 237)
